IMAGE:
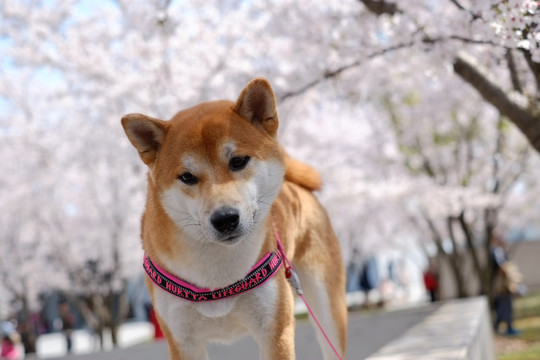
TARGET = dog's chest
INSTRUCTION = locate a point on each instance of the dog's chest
(222, 320)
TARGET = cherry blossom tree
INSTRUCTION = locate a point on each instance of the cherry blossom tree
(472, 40)
(498, 33)
(393, 103)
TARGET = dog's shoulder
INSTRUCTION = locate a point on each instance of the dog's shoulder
(301, 174)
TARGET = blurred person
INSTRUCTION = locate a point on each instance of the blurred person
(506, 279)
(158, 333)
(354, 269)
(369, 278)
(431, 282)
(10, 341)
(68, 322)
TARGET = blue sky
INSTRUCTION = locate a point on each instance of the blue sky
(43, 76)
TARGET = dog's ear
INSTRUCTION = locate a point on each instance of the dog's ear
(257, 103)
(146, 134)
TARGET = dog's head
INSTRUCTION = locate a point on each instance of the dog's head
(214, 168)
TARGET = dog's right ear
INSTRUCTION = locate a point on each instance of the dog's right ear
(146, 134)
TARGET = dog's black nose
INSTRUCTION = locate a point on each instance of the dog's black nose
(225, 220)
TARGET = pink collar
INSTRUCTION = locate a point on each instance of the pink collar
(259, 274)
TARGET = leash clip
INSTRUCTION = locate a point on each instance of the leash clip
(294, 280)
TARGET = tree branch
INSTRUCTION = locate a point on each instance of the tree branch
(381, 7)
(477, 77)
(513, 71)
(461, 7)
(534, 66)
(334, 73)
(429, 40)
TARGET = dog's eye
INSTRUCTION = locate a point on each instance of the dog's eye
(188, 178)
(238, 162)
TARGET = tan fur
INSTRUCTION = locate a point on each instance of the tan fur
(176, 233)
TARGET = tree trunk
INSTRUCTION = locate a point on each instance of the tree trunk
(27, 331)
(114, 334)
(473, 251)
(455, 262)
(454, 258)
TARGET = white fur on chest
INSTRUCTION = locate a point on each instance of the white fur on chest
(221, 320)
(214, 265)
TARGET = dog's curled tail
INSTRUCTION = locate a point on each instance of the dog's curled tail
(301, 174)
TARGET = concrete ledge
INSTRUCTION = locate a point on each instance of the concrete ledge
(459, 329)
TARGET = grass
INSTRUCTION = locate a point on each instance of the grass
(528, 305)
(531, 353)
(530, 328)
(525, 346)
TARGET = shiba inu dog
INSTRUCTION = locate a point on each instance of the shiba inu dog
(220, 189)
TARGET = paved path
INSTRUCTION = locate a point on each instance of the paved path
(368, 332)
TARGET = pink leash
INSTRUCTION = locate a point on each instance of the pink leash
(294, 281)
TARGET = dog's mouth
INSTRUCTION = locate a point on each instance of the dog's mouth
(229, 239)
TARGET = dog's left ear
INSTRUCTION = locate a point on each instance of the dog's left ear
(257, 103)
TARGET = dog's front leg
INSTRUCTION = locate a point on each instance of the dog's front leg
(281, 345)
(275, 333)
(187, 352)
(183, 346)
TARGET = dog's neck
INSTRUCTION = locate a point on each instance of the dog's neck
(261, 272)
